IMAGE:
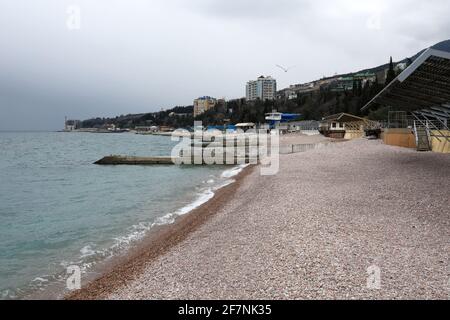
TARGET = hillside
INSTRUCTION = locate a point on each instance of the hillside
(385, 66)
(175, 117)
(311, 104)
(317, 102)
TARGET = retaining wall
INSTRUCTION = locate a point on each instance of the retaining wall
(399, 137)
(442, 146)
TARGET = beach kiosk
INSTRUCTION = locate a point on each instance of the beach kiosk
(245, 126)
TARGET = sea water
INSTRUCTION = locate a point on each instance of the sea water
(58, 209)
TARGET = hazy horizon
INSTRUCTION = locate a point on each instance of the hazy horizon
(134, 56)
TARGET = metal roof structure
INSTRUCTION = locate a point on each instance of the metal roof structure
(342, 117)
(423, 90)
(423, 87)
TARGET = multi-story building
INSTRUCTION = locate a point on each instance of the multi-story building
(264, 88)
(71, 125)
(203, 104)
(347, 83)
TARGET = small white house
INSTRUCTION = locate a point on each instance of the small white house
(341, 125)
(245, 126)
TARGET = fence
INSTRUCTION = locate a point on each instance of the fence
(297, 148)
(403, 120)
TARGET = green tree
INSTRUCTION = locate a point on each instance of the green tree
(391, 73)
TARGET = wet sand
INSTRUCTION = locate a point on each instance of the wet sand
(160, 240)
(309, 232)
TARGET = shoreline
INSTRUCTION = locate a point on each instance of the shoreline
(125, 267)
(313, 230)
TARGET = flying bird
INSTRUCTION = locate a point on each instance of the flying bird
(285, 69)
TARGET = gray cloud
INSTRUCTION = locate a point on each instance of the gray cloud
(250, 9)
(138, 56)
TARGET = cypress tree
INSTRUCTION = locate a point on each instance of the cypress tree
(391, 73)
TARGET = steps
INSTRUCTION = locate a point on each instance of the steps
(422, 138)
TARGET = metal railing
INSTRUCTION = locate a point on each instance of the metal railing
(434, 128)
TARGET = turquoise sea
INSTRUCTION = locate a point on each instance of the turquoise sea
(58, 209)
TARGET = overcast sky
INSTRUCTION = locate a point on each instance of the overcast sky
(131, 56)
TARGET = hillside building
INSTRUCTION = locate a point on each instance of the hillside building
(264, 88)
(203, 104)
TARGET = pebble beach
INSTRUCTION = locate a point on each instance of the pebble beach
(315, 230)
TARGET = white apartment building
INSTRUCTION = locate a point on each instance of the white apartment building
(264, 88)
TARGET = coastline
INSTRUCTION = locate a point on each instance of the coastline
(123, 268)
(312, 231)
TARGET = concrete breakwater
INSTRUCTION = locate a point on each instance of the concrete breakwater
(212, 156)
(127, 160)
(197, 152)
(198, 159)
